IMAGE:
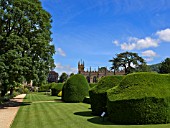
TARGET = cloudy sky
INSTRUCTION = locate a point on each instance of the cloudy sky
(96, 30)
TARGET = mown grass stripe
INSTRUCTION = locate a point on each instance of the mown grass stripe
(62, 115)
(48, 120)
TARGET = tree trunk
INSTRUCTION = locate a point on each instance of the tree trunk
(114, 72)
(11, 91)
(4, 90)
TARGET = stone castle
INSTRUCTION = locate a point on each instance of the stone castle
(93, 76)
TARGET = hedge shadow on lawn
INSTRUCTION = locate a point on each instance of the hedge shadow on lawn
(13, 104)
(59, 100)
(84, 113)
(100, 120)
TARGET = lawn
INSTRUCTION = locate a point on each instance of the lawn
(43, 111)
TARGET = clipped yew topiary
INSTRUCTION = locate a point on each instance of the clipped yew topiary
(98, 94)
(141, 98)
(75, 89)
(91, 85)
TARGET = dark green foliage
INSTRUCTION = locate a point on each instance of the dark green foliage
(44, 88)
(72, 74)
(25, 49)
(126, 60)
(141, 98)
(148, 110)
(143, 68)
(155, 67)
(98, 94)
(56, 88)
(165, 66)
(87, 100)
(63, 77)
(75, 89)
(91, 85)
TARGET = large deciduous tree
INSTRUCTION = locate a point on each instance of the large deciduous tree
(165, 66)
(128, 60)
(25, 49)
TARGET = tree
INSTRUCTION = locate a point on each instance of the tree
(115, 64)
(25, 49)
(63, 77)
(143, 68)
(128, 60)
(72, 74)
(155, 67)
(165, 66)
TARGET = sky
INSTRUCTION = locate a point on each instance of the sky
(94, 31)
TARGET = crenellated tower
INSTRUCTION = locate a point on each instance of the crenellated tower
(80, 66)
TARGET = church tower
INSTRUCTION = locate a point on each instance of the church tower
(80, 67)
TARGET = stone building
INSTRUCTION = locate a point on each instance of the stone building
(52, 77)
(93, 76)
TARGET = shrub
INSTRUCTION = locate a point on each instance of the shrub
(22, 89)
(91, 85)
(60, 94)
(87, 100)
(75, 89)
(56, 88)
(98, 94)
(45, 88)
(141, 98)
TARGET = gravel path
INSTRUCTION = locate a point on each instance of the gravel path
(9, 110)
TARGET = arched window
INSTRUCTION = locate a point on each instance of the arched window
(94, 79)
(88, 79)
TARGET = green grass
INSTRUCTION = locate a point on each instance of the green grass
(36, 114)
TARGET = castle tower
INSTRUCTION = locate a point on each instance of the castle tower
(80, 67)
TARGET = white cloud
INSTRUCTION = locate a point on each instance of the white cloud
(65, 68)
(149, 53)
(116, 42)
(60, 52)
(149, 59)
(164, 35)
(135, 43)
(128, 46)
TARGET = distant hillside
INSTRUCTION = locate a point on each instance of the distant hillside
(155, 67)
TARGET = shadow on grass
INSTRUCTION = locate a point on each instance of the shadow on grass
(85, 113)
(13, 104)
(59, 100)
(100, 120)
(94, 119)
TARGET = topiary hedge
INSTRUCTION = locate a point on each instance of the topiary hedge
(56, 88)
(91, 85)
(75, 89)
(98, 95)
(141, 98)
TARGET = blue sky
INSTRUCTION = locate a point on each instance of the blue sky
(96, 30)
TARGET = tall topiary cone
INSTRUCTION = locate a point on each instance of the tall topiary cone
(75, 89)
(98, 94)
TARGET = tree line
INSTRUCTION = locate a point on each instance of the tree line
(25, 50)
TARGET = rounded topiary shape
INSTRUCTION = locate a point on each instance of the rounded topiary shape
(98, 95)
(141, 98)
(75, 89)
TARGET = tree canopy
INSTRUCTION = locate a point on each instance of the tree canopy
(128, 60)
(165, 66)
(25, 36)
(63, 77)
